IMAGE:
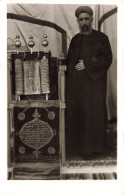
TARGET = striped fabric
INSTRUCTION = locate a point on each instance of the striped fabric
(90, 176)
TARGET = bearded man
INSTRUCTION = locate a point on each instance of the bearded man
(89, 57)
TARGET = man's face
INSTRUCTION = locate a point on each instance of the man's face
(85, 22)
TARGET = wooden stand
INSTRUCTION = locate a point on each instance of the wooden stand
(16, 102)
(62, 69)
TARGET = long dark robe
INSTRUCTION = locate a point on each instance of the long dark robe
(86, 113)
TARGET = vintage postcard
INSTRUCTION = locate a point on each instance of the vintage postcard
(62, 74)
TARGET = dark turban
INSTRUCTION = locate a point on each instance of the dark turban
(83, 9)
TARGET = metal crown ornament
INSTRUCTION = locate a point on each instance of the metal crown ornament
(31, 43)
(17, 43)
(45, 43)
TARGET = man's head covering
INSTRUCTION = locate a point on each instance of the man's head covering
(83, 9)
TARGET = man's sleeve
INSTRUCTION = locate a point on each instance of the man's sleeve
(69, 55)
(98, 66)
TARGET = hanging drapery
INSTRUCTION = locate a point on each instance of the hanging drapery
(108, 22)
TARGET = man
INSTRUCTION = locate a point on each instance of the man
(89, 57)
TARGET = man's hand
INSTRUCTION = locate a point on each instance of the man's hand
(80, 66)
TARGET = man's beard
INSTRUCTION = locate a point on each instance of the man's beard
(86, 30)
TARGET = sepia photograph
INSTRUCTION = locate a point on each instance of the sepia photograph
(62, 91)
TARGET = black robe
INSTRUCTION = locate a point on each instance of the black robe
(86, 113)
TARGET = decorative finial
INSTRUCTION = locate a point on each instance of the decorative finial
(17, 43)
(45, 43)
(31, 43)
(36, 114)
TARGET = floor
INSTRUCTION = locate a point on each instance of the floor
(96, 167)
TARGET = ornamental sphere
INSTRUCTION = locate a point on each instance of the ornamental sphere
(45, 43)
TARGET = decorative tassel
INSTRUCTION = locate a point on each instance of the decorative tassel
(19, 86)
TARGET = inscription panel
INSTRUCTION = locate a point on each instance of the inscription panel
(36, 134)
